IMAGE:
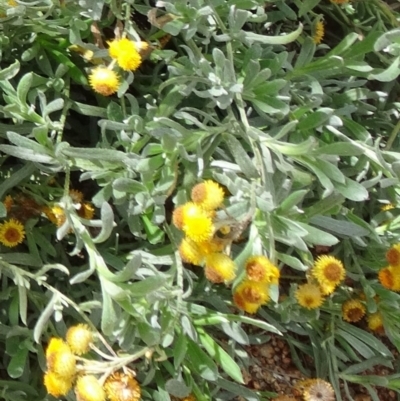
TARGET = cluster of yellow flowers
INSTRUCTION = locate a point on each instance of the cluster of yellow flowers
(65, 369)
(201, 244)
(325, 276)
(389, 276)
(253, 291)
(126, 53)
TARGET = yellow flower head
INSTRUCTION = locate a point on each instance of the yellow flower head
(104, 81)
(12, 233)
(55, 214)
(126, 53)
(253, 292)
(88, 388)
(319, 32)
(309, 296)
(60, 359)
(260, 268)
(219, 268)
(329, 272)
(8, 203)
(86, 211)
(240, 301)
(56, 385)
(79, 338)
(197, 225)
(12, 3)
(387, 207)
(122, 387)
(208, 194)
(375, 323)
(319, 390)
(76, 196)
(393, 255)
(190, 252)
(353, 310)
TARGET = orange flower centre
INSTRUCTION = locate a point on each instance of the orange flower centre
(355, 314)
(333, 272)
(12, 235)
(252, 295)
(255, 271)
(393, 256)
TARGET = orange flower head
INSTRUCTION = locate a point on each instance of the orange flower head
(253, 292)
(104, 81)
(260, 268)
(242, 304)
(353, 310)
(393, 255)
(79, 338)
(12, 233)
(329, 272)
(8, 203)
(88, 388)
(122, 387)
(309, 296)
(56, 385)
(220, 268)
(208, 194)
(177, 217)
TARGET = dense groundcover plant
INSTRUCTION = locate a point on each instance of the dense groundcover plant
(182, 178)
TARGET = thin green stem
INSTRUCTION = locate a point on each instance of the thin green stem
(393, 136)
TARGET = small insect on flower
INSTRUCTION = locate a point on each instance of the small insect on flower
(56, 385)
(88, 388)
(393, 255)
(353, 310)
(309, 296)
(260, 268)
(319, 32)
(79, 338)
(122, 387)
(208, 194)
(126, 53)
(219, 268)
(329, 272)
(104, 81)
(12, 233)
(319, 390)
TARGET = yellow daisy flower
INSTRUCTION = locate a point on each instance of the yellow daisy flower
(253, 292)
(393, 255)
(56, 385)
(219, 268)
(319, 32)
(60, 359)
(375, 323)
(389, 277)
(12, 233)
(353, 310)
(190, 252)
(208, 194)
(55, 214)
(121, 387)
(126, 53)
(197, 225)
(88, 388)
(79, 338)
(104, 81)
(260, 268)
(309, 296)
(319, 390)
(329, 272)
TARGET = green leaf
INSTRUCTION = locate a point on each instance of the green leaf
(252, 37)
(179, 349)
(306, 6)
(340, 227)
(10, 72)
(315, 119)
(390, 74)
(241, 157)
(358, 345)
(237, 389)
(23, 87)
(16, 366)
(340, 149)
(352, 190)
(318, 237)
(200, 362)
(144, 287)
(222, 358)
(177, 388)
(292, 200)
